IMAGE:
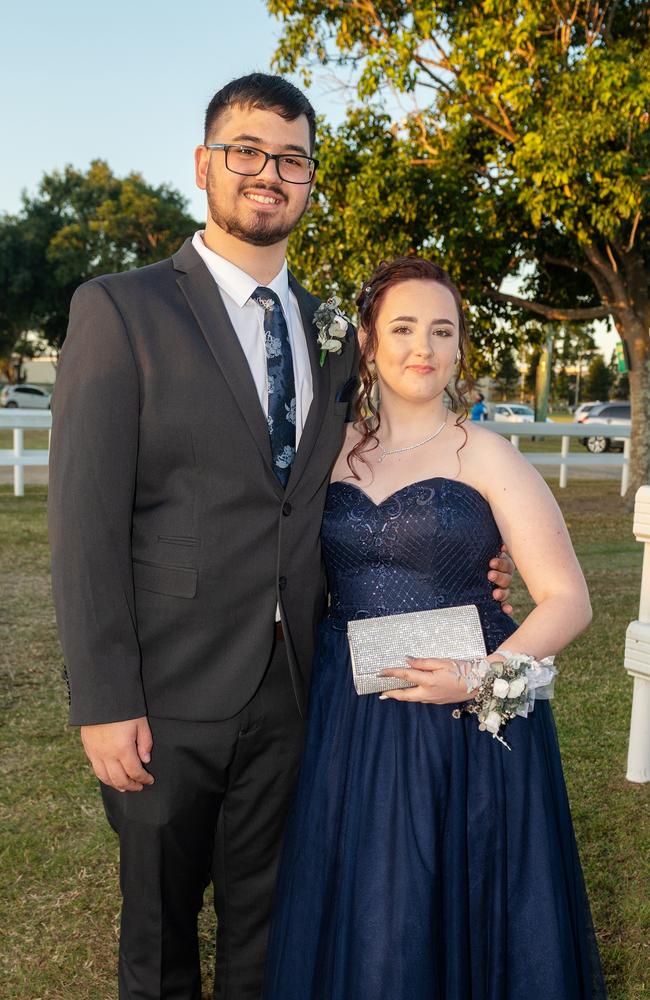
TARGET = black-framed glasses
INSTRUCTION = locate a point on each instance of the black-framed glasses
(250, 161)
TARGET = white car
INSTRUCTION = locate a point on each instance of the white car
(580, 413)
(25, 396)
(515, 413)
(615, 412)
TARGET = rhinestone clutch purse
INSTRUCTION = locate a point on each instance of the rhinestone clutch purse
(378, 644)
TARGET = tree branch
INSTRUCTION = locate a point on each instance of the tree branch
(573, 265)
(550, 312)
(611, 276)
(637, 217)
(445, 63)
(421, 62)
(597, 278)
(607, 33)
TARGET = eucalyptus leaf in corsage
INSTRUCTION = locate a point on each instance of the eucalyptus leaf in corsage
(332, 327)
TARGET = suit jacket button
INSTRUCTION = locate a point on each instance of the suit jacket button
(286, 508)
(282, 582)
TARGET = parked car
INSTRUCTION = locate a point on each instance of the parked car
(616, 412)
(516, 413)
(583, 409)
(25, 396)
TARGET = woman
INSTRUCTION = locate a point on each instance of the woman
(425, 860)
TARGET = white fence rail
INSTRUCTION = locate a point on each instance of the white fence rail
(564, 458)
(21, 420)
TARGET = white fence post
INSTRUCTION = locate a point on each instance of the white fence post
(625, 474)
(637, 652)
(564, 471)
(19, 468)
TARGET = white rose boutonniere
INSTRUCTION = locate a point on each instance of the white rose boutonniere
(332, 327)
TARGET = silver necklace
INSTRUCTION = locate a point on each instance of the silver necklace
(409, 447)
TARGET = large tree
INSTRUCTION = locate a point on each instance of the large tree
(525, 151)
(78, 225)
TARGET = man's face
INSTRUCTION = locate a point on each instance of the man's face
(261, 209)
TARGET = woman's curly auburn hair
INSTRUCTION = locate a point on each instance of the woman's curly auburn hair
(388, 274)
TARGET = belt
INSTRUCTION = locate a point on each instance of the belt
(279, 632)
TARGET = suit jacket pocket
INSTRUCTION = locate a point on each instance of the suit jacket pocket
(345, 410)
(179, 540)
(346, 392)
(173, 581)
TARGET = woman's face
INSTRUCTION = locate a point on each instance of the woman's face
(417, 340)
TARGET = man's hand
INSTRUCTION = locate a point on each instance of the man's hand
(501, 571)
(117, 752)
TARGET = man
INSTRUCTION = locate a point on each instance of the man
(194, 430)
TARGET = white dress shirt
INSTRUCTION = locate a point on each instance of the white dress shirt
(247, 318)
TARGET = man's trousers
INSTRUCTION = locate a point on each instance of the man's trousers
(216, 811)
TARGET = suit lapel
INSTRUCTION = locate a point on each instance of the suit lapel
(205, 302)
(320, 378)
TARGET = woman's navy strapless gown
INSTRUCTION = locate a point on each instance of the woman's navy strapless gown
(423, 860)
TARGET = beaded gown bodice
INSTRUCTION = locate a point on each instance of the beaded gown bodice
(427, 545)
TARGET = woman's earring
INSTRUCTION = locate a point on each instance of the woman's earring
(457, 356)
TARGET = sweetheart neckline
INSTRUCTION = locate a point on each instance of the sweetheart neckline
(417, 482)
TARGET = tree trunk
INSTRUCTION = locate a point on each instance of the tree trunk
(638, 344)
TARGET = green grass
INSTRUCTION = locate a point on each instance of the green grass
(59, 900)
(33, 438)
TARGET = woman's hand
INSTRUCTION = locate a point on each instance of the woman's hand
(439, 682)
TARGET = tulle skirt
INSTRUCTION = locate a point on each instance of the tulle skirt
(425, 861)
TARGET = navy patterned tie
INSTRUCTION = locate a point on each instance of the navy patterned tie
(282, 389)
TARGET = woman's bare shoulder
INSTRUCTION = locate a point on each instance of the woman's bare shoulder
(488, 457)
(483, 441)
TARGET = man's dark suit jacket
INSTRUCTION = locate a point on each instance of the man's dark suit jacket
(172, 539)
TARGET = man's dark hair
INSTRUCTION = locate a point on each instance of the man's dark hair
(260, 90)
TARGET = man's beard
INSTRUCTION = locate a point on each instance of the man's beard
(260, 231)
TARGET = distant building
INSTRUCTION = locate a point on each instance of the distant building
(41, 370)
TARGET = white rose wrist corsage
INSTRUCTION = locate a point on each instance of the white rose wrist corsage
(504, 689)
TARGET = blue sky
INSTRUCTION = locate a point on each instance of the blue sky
(124, 81)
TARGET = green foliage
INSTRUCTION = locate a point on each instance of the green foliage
(374, 200)
(525, 154)
(621, 389)
(77, 226)
(599, 379)
(562, 389)
(530, 378)
(506, 375)
(528, 140)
